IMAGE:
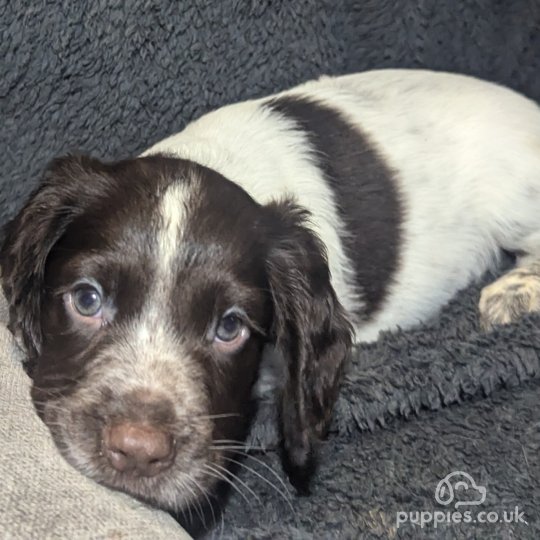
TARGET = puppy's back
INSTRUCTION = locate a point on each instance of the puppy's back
(456, 160)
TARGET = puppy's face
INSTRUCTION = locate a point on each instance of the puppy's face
(144, 292)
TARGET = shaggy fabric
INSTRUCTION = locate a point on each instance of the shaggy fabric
(111, 77)
(472, 404)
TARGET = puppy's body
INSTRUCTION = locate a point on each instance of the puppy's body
(444, 170)
(146, 290)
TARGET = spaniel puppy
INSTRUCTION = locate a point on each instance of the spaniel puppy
(146, 291)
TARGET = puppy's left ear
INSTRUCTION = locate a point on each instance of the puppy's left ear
(313, 333)
(66, 187)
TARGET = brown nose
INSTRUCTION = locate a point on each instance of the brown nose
(138, 449)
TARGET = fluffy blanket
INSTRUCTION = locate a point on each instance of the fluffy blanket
(416, 406)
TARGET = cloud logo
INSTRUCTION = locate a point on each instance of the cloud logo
(459, 481)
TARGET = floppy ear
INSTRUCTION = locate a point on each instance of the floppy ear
(29, 238)
(313, 333)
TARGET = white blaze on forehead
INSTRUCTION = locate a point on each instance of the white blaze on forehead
(173, 210)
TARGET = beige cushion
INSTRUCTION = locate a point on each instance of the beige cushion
(43, 497)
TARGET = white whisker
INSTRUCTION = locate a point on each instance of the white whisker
(285, 495)
(217, 474)
(235, 477)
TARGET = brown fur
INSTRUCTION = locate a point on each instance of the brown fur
(152, 359)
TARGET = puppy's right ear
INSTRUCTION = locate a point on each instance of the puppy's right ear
(30, 236)
(312, 331)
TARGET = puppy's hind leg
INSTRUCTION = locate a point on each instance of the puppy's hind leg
(517, 292)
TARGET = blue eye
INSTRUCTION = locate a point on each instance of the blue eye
(229, 328)
(87, 300)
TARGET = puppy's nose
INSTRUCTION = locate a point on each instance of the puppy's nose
(138, 449)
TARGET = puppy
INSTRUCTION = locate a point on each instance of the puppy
(146, 290)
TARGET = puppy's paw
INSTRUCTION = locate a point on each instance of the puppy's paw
(510, 297)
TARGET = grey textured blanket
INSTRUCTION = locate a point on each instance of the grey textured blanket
(112, 77)
(415, 407)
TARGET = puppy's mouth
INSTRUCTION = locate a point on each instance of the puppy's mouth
(172, 465)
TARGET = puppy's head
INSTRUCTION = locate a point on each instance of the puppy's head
(144, 292)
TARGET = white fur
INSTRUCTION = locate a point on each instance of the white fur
(270, 160)
(173, 213)
(466, 156)
(173, 209)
